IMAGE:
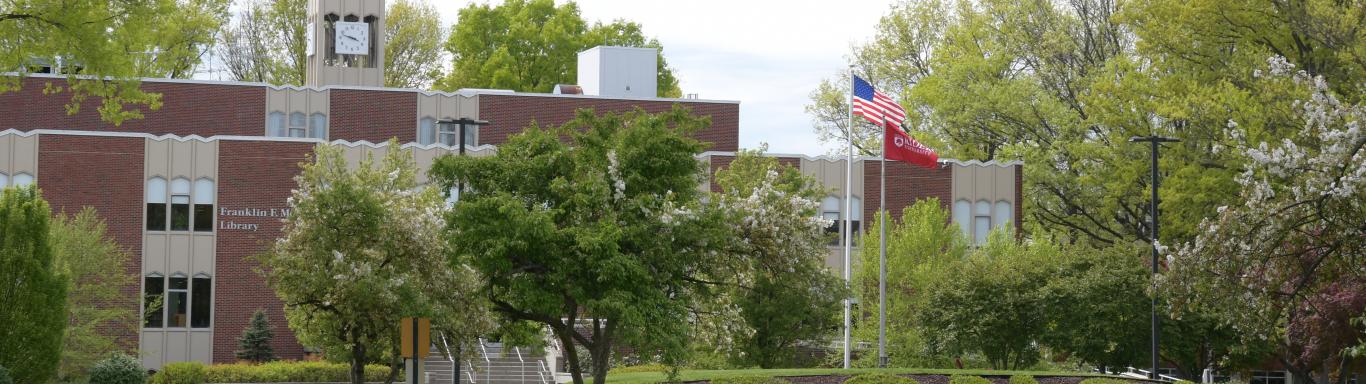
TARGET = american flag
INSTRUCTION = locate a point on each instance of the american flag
(876, 106)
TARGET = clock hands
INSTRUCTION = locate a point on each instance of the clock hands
(353, 38)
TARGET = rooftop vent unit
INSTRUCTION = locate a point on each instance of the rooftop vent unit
(619, 72)
(568, 89)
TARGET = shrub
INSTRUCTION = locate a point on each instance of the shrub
(879, 378)
(118, 369)
(255, 340)
(190, 372)
(4, 376)
(1106, 380)
(1023, 379)
(289, 371)
(651, 367)
(750, 380)
(967, 379)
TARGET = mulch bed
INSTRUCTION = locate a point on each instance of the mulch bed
(932, 379)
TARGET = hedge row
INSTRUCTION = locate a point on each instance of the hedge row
(272, 372)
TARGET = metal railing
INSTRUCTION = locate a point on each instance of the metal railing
(1143, 373)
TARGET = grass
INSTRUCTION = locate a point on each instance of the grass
(694, 375)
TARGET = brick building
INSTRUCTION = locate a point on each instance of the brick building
(196, 188)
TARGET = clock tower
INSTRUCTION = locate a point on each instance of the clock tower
(345, 43)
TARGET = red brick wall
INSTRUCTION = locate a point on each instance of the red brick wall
(104, 173)
(198, 109)
(251, 174)
(374, 116)
(905, 184)
(510, 114)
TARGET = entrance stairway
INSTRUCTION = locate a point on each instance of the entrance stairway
(491, 364)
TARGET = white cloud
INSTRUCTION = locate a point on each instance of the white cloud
(767, 54)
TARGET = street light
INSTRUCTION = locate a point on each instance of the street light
(462, 122)
(1155, 140)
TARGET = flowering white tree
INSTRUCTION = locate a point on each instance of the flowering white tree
(362, 248)
(1288, 265)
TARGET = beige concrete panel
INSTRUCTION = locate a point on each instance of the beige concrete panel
(206, 160)
(1005, 183)
(835, 260)
(482, 152)
(353, 155)
(202, 255)
(25, 155)
(150, 347)
(156, 158)
(154, 254)
(6, 153)
(178, 254)
(177, 346)
(858, 179)
(424, 158)
(201, 346)
(182, 159)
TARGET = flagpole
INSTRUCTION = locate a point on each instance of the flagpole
(848, 206)
(882, 257)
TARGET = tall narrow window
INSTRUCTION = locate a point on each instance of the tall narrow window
(1001, 214)
(472, 135)
(22, 179)
(330, 39)
(447, 134)
(203, 205)
(275, 124)
(4, 180)
(180, 204)
(156, 204)
(371, 60)
(317, 126)
(855, 219)
(426, 131)
(201, 300)
(154, 288)
(830, 210)
(177, 307)
(298, 124)
(962, 215)
(981, 221)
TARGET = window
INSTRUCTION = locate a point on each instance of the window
(446, 134)
(962, 214)
(373, 23)
(153, 290)
(426, 131)
(176, 306)
(330, 39)
(201, 300)
(981, 221)
(156, 204)
(275, 124)
(4, 180)
(1001, 214)
(203, 205)
(317, 126)
(298, 125)
(830, 210)
(22, 179)
(1268, 377)
(180, 204)
(472, 135)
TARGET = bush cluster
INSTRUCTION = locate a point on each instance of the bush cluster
(4, 376)
(118, 369)
(289, 371)
(749, 380)
(1106, 380)
(880, 378)
(651, 367)
(968, 379)
(180, 373)
(1023, 379)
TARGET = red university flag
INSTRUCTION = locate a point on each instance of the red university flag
(899, 146)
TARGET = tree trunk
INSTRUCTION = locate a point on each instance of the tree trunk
(570, 353)
(357, 361)
(602, 356)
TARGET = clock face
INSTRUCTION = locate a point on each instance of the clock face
(308, 40)
(353, 38)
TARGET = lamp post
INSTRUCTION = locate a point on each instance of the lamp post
(462, 123)
(1155, 141)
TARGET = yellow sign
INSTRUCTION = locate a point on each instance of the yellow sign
(419, 329)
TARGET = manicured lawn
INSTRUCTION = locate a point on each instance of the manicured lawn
(687, 375)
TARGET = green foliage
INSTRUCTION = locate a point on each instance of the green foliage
(880, 378)
(185, 372)
(33, 295)
(255, 341)
(359, 252)
(4, 376)
(112, 43)
(413, 53)
(749, 380)
(619, 194)
(96, 267)
(968, 379)
(289, 371)
(1023, 379)
(921, 246)
(118, 368)
(651, 367)
(1105, 380)
(1099, 311)
(532, 45)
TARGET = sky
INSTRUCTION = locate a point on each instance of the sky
(768, 55)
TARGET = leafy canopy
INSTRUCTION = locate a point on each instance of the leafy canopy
(33, 288)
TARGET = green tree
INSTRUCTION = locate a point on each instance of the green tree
(254, 345)
(112, 42)
(266, 42)
(920, 248)
(532, 45)
(32, 288)
(359, 252)
(98, 269)
(780, 291)
(602, 230)
(413, 54)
